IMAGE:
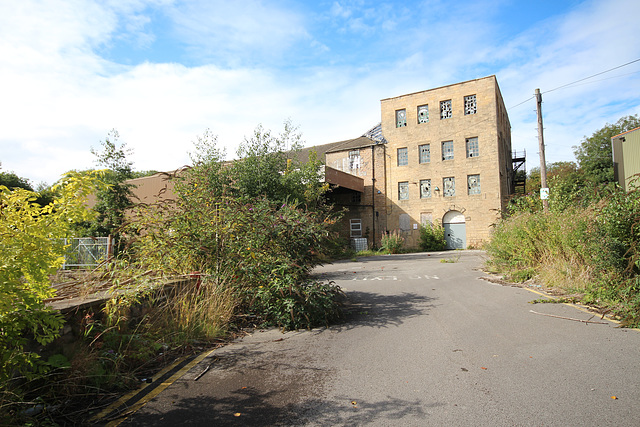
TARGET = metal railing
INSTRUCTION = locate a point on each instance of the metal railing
(86, 251)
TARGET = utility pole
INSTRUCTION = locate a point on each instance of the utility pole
(544, 191)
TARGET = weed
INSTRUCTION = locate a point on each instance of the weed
(392, 243)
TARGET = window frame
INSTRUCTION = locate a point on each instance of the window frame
(405, 185)
(447, 151)
(354, 159)
(470, 108)
(424, 120)
(467, 141)
(422, 193)
(451, 179)
(477, 188)
(446, 113)
(352, 222)
(401, 123)
(421, 158)
(404, 157)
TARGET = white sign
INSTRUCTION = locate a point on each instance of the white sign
(544, 193)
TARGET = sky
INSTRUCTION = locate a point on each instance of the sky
(162, 72)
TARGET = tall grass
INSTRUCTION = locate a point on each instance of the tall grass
(590, 251)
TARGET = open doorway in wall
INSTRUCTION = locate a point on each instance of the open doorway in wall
(455, 232)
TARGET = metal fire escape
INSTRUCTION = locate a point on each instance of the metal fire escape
(519, 178)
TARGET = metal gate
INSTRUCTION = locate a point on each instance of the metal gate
(85, 251)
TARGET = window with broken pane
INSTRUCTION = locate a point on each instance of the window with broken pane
(473, 183)
(470, 105)
(403, 190)
(354, 159)
(449, 187)
(423, 114)
(447, 150)
(425, 188)
(403, 156)
(424, 152)
(401, 118)
(472, 147)
(445, 109)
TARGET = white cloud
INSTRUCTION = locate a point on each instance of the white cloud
(60, 97)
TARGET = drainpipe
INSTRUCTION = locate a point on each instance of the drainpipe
(373, 195)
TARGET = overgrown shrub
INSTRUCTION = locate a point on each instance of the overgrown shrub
(432, 237)
(220, 228)
(590, 250)
(392, 242)
(294, 304)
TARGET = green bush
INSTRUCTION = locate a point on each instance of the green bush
(294, 304)
(432, 238)
(392, 243)
(590, 250)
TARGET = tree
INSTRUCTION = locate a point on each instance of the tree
(30, 251)
(594, 153)
(113, 200)
(13, 181)
(268, 167)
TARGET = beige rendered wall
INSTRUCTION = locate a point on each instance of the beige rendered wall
(480, 211)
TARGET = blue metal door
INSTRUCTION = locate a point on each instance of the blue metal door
(455, 235)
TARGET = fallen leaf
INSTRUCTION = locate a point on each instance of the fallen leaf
(614, 398)
(237, 414)
(483, 368)
(353, 402)
(243, 388)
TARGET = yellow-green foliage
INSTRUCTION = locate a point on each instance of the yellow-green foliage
(30, 250)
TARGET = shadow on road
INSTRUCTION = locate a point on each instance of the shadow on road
(250, 407)
(381, 311)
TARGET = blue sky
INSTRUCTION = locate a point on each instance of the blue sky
(161, 72)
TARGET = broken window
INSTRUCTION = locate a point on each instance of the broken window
(354, 159)
(445, 109)
(356, 227)
(425, 188)
(403, 156)
(449, 187)
(472, 147)
(424, 153)
(403, 190)
(401, 118)
(423, 114)
(473, 183)
(470, 105)
(447, 150)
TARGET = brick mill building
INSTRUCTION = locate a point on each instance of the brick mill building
(442, 156)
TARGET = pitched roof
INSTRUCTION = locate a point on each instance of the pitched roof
(372, 137)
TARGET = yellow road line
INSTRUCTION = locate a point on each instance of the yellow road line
(153, 393)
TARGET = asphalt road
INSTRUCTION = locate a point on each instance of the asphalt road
(426, 343)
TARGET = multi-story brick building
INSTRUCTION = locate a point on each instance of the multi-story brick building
(441, 155)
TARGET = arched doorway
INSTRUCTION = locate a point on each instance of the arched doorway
(455, 232)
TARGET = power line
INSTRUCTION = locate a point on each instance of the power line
(597, 74)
